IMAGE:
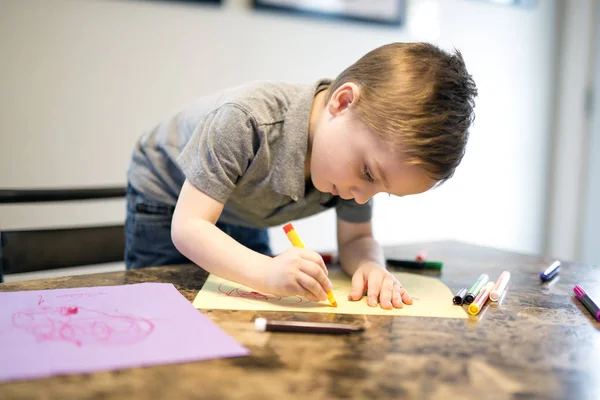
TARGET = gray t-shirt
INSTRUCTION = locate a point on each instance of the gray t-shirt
(245, 147)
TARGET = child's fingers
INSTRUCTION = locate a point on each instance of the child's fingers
(313, 270)
(314, 257)
(385, 296)
(358, 287)
(373, 290)
(312, 286)
(397, 296)
(308, 295)
(406, 299)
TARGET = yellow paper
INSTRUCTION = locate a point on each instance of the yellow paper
(432, 298)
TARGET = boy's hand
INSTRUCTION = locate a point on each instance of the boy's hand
(380, 285)
(298, 271)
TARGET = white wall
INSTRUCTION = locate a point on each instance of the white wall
(81, 80)
(591, 232)
(572, 155)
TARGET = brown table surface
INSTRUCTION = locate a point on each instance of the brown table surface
(539, 342)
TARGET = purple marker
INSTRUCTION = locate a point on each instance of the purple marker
(587, 301)
(550, 272)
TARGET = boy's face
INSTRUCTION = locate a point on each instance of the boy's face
(349, 160)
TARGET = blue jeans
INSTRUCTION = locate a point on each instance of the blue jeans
(148, 234)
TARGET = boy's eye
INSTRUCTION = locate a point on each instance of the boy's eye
(367, 175)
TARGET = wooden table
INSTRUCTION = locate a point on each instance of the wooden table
(540, 342)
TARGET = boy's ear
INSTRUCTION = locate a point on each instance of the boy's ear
(343, 97)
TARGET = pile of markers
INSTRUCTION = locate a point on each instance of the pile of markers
(481, 291)
(484, 290)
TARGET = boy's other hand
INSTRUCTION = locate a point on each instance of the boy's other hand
(381, 286)
(298, 271)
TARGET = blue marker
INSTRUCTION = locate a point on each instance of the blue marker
(550, 272)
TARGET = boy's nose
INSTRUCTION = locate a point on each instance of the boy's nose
(360, 200)
(360, 196)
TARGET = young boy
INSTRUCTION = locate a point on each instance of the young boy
(206, 183)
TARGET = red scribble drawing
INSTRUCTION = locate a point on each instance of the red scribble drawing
(82, 326)
(71, 310)
(245, 294)
(40, 300)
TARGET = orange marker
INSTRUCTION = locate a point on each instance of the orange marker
(297, 242)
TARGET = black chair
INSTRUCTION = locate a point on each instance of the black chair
(45, 249)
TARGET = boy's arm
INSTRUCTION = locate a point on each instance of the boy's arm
(193, 231)
(357, 246)
(362, 258)
(195, 235)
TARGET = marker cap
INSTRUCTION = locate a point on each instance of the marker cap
(289, 227)
(260, 324)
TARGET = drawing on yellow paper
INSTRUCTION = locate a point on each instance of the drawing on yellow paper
(433, 298)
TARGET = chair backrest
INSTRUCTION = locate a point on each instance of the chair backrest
(43, 249)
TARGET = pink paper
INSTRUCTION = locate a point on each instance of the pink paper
(66, 331)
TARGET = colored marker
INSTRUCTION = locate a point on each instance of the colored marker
(297, 242)
(459, 297)
(476, 288)
(263, 325)
(500, 286)
(587, 301)
(415, 264)
(421, 256)
(551, 271)
(482, 297)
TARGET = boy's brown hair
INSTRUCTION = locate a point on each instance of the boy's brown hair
(418, 96)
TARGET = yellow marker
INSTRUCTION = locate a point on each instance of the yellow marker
(297, 242)
(482, 297)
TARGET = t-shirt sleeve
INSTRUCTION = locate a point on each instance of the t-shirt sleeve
(219, 152)
(351, 211)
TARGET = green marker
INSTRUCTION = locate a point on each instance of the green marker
(476, 288)
(415, 264)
